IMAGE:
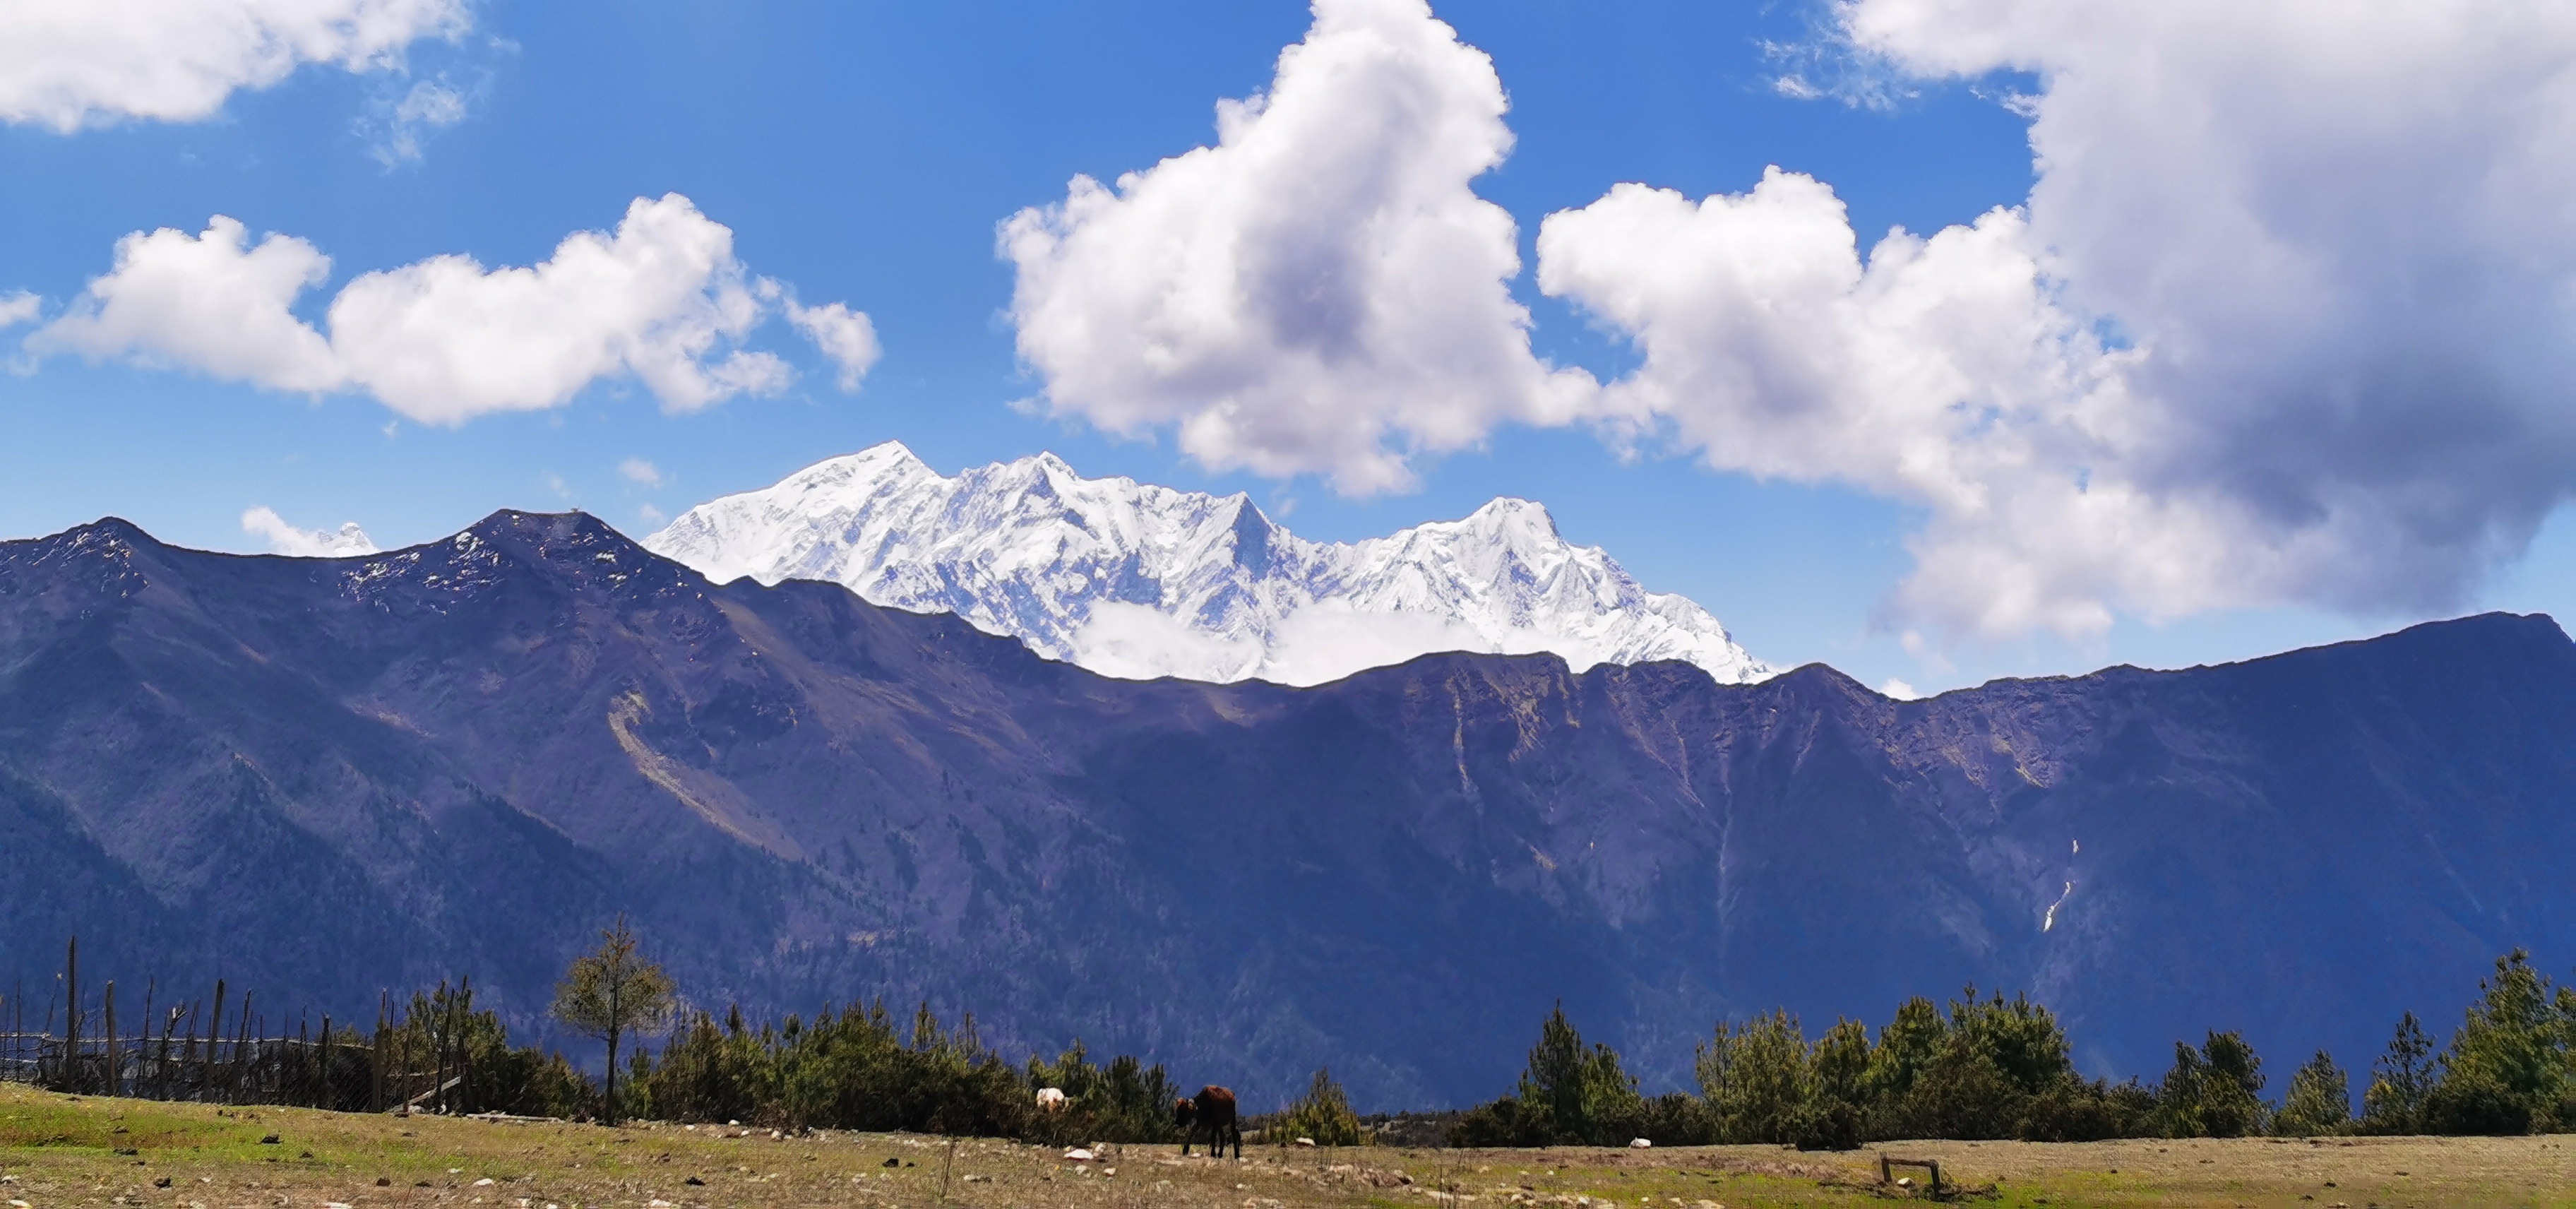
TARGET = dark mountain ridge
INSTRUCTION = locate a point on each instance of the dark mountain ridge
(320, 778)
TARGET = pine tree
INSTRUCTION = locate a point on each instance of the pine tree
(1755, 1077)
(1323, 1117)
(2506, 1071)
(2320, 1100)
(1584, 1093)
(2178, 1099)
(2231, 1104)
(1907, 1047)
(2394, 1102)
(610, 992)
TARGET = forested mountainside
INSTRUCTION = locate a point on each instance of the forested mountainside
(320, 778)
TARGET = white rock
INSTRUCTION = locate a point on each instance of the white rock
(1078, 1155)
(1640, 1143)
(1138, 581)
(1306, 1141)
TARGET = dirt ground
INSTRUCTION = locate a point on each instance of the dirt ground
(59, 1150)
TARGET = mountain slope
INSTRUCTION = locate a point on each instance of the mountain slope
(1139, 581)
(323, 777)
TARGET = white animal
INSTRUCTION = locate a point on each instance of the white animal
(1050, 1099)
(1640, 1144)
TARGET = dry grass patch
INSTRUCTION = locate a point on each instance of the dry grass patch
(60, 1151)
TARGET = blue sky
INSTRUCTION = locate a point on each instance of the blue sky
(864, 153)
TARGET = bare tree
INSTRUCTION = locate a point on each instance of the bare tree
(610, 992)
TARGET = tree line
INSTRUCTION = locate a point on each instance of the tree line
(1988, 1068)
(1979, 1067)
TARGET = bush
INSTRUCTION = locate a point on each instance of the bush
(855, 1069)
(2474, 1102)
(2214, 1091)
(496, 1077)
(1506, 1122)
(1125, 1102)
(1825, 1125)
(2072, 1110)
(1323, 1116)
(1962, 1095)
(704, 1074)
(1674, 1119)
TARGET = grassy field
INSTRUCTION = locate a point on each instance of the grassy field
(59, 1150)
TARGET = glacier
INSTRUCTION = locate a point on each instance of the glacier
(1139, 581)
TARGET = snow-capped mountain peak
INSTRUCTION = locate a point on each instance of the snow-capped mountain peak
(1136, 580)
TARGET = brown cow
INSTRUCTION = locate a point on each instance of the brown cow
(1213, 1108)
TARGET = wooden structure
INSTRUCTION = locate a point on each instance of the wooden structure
(1887, 1173)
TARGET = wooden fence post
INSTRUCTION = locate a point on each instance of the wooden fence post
(214, 1034)
(71, 1017)
(110, 1085)
(376, 1055)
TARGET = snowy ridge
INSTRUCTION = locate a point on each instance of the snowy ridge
(1137, 581)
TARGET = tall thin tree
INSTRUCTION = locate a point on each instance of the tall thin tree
(610, 992)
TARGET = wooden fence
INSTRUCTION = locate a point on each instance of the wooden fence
(191, 1051)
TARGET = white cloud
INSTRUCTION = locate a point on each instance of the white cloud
(1139, 642)
(1329, 640)
(214, 303)
(637, 470)
(650, 515)
(91, 62)
(660, 299)
(2333, 244)
(397, 132)
(348, 541)
(1899, 690)
(1321, 291)
(2289, 318)
(1940, 371)
(1320, 643)
(445, 339)
(846, 336)
(19, 307)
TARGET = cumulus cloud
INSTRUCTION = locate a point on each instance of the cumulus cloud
(1322, 290)
(445, 339)
(1939, 370)
(661, 300)
(637, 470)
(99, 61)
(213, 302)
(18, 307)
(845, 336)
(348, 541)
(2288, 316)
